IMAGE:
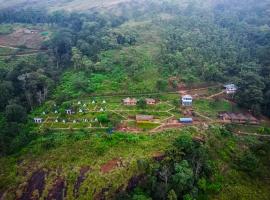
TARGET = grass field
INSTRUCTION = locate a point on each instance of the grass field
(211, 108)
(62, 4)
(83, 149)
(87, 113)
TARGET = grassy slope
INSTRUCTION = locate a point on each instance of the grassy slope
(94, 150)
(143, 55)
(62, 4)
(237, 184)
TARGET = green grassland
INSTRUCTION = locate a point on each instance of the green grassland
(5, 51)
(211, 108)
(94, 149)
(128, 70)
(83, 149)
(236, 183)
(6, 29)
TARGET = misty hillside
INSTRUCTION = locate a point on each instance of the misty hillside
(135, 100)
(78, 5)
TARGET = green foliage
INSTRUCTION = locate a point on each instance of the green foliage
(183, 178)
(139, 195)
(248, 162)
(141, 103)
(15, 113)
(172, 195)
(6, 29)
(161, 85)
(103, 118)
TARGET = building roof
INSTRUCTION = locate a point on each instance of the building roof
(230, 86)
(187, 96)
(130, 100)
(186, 119)
(38, 118)
(144, 117)
(150, 100)
(238, 116)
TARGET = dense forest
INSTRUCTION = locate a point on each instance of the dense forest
(198, 42)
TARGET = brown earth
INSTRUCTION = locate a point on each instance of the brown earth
(35, 183)
(134, 181)
(23, 37)
(58, 191)
(83, 172)
(101, 195)
(110, 165)
(159, 156)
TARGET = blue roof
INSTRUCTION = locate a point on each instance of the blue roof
(186, 119)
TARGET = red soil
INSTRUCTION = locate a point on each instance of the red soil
(110, 165)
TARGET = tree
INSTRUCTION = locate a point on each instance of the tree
(103, 118)
(16, 113)
(161, 85)
(250, 91)
(141, 103)
(61, 46)
(183, 178)
(76, 58)
(6, 91)
(172, 195)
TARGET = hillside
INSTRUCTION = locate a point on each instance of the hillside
(73, 5)
(135, 100)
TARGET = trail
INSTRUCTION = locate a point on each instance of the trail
(22, 54)
(240, 133)
(10, 47)
(145, 93)
(214, 95)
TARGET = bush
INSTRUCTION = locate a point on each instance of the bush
(249, 162)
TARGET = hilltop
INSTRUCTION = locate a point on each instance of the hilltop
(73, 5)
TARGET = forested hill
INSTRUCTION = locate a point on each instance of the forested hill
(85, 56)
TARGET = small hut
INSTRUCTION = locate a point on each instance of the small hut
(38, 120)
(187, 100)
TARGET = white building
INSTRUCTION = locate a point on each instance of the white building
(69, 112)
(38, 120)
(187, 100)
(230, 88)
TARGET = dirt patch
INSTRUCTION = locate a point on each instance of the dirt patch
(80, 179)
(101, 195)
(23, 37)
(58, 191)
(110, 165)
(35, 183)
(158, 156)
